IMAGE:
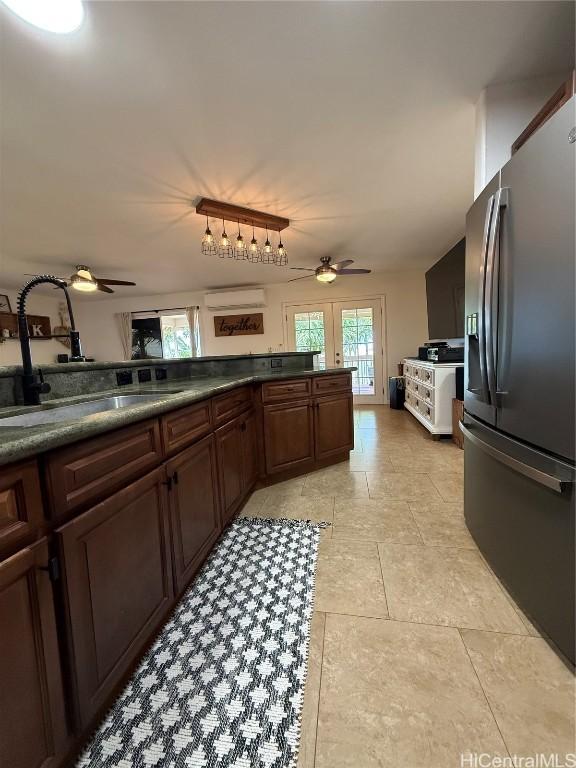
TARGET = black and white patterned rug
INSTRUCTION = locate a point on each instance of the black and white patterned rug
(223, 684)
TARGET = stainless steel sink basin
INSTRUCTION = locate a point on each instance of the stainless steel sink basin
(76, 411)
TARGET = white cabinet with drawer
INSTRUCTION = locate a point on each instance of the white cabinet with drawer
(430, 388)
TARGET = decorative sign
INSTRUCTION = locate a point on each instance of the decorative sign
(239, 325)
(38, 326)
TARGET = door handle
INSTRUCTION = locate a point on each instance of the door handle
(557, 484)
(481, 324)
(491, 295)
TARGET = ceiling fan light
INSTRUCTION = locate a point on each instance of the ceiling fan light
(60, 16)
(83, 284)
(325, 275)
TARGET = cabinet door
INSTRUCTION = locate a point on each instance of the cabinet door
(250, 468)
(118, 586)
(230, 472)
(21, 513)
(33, 730)
(334, 425)
(288, 435)
(194, 507)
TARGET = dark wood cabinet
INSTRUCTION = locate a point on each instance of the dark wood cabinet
(229, 452)
(116, 569)
(182, 427)
(83, 473)
(250, 462)
(33, 731)
(333, 425)
(288, 435)
(194, 507)
(21, 512)
(237, 449)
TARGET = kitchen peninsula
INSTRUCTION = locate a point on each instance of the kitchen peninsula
(112, 494)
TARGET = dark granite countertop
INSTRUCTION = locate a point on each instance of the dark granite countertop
(21, 442)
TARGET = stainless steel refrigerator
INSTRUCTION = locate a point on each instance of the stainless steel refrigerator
(519, 419)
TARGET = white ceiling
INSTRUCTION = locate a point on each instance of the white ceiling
(353, 119)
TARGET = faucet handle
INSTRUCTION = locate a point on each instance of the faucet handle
(43, 386)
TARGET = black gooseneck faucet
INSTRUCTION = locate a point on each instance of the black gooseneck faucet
(33, 386)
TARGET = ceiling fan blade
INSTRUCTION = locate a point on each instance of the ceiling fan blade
(303, 269)
(341, 264)
(354, 271)
(104, 288)
(113, 282)
(304, 277)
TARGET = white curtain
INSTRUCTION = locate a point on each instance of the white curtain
(193, 315)
(124, 320)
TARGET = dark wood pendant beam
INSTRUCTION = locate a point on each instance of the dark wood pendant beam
(236, 213)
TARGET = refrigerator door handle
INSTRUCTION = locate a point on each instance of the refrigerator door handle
(491, 291)
(483, 390)
(543, 478)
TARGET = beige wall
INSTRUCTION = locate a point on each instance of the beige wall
(405, 318)
(502, 112)
(43, 351)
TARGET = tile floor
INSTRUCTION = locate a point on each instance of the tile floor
(417, 654)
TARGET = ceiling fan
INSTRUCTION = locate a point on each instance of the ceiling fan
(328, 271)
(83, 280)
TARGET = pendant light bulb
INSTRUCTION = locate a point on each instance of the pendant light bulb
(208, 236)
(253, 243)
(281, 249)
(224, 240)
(240, 245)
(267, 245)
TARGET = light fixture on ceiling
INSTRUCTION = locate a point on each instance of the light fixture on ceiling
(242, 250)
(267, 251)
(240, 244)
(225, 249)
(208, 245)
(325, 274)
(254, 249)
(281, 259)
(60, 16)
(83, 280)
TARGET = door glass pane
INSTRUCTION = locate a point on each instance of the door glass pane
(175, 336)
(358, 348)
(309, 333)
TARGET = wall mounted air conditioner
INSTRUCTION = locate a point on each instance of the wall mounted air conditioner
(255, 297)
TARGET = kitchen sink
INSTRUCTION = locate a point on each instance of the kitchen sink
(78, 410)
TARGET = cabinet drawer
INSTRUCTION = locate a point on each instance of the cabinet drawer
(274, 391)
(339, 382)
(182, 427)
(21, 513)
(89, 471)
(427, 411)
(427, 376)
(427, 393)
(226, 407)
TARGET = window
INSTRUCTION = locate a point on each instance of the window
(160, 336)
(309, 333)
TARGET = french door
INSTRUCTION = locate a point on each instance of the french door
(346, 333)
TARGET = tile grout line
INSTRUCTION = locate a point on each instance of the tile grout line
(484, 693)
(429, 624)
(383, 582)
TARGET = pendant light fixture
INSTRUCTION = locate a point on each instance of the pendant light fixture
(267, 251)
(281, 258)
(226, 248)
(240, 244)
(253, 249)
(236, 247)
(208, 245)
